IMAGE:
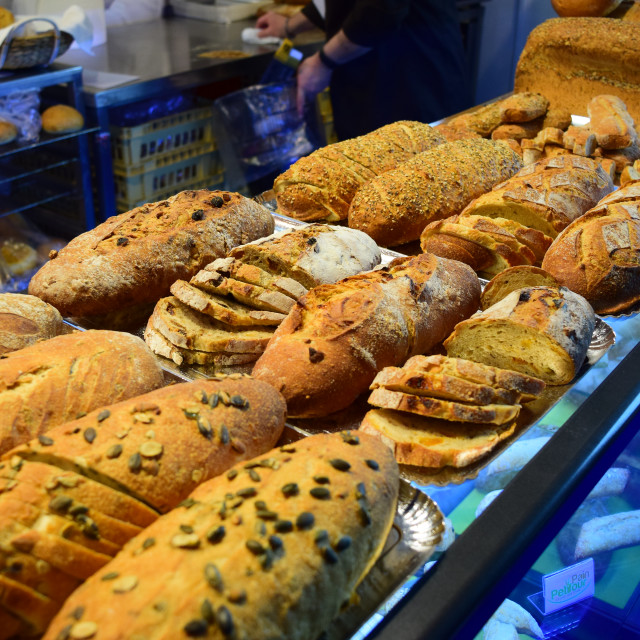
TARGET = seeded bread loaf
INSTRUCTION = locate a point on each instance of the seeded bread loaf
(540, 331)
(133, 258)
(273, 549)
(321, 185)
(337, 337)
(25, 320)
(512, 279)
(51, 382)
(434, 185)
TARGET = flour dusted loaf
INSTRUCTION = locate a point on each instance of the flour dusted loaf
(133, 258)
(395, 207)
(25, 320)
(71, 499)
(337, 337)
(321, 185)
(540, 331)
(272, 549)
(54, 381)
(598, 255)
(571, 60)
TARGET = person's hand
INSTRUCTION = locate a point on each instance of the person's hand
(271, 24)
(313, 77)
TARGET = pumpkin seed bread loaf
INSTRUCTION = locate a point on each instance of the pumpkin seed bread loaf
(71, 499)
(133, 258)
(321, 185)
(54, 381)
(395, 207)
(272, 549)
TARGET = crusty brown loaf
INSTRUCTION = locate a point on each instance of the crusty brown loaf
(61, 118)
(25, 320)
(321, 186)
(598, 255)
(546, 195)
(578, 8)
(335, 340)
(51, 382)
(523, 107)
(512, 279)
(571, 60)
(261, 572)
(541, 331)
(611, 123)
(398, 205)
(133, 258)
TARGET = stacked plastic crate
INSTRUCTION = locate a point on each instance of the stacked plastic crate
(156, 159)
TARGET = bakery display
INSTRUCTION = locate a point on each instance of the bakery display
(597, 255)
(25, 320)
(61, 118)
(337, 337)
(70, 500)
(299, 533)
(228, 311)
(320, 186)
(512, 279)
(540, 331)
(52, 382)
(133, 258)
(395, 207)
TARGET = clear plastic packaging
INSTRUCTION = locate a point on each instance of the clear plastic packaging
(22, 109)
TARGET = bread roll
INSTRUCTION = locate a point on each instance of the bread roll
(25, 320)
(133, 258)
(51, 382)
(540, 331)
(434, 185)
(61, 118)
(321, 186)
(597, 255)
(577, 8)
(8, 132)
(337, 337)
(278, 559)
(611, 123)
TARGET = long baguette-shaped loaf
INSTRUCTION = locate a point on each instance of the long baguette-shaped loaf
(598, 255)
(54, 381)
(337, 337)
(436, 184)
(133, 258)
(272, 549)
(321, 185)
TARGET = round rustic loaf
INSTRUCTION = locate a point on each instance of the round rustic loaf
(587, 8)
(61, 118)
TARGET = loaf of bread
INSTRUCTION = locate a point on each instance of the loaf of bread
(337, 337)
(398, 205)
(8, 132)
(580, 8)
(321, 185)
(61, 118)
(54, 381)
(546, 195)
(611, 123)
(273, 549)
(540, 331)
(571, 60)
(25, 320)
(71, 499)
(513, 279)
(133, 258)
(597, 255)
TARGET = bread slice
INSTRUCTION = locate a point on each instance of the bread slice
(444, 409)
(438, 385)
(429, 442)
(527, 386)
(252, 295)
(228, 311)
(253, 274)
(189, 329)
(512, 279)
(163, 347)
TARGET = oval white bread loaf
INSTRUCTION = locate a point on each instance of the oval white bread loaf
(272, 549)
(540, 331)
(133, 258)
(54, 381)
(337, 337)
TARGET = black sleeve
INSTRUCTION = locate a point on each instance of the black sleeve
(370, 20)
(312, 14)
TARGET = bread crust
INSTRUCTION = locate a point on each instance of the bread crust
(611, 123)
(591, 8)
(512, 279)
(53, 381)
(134, 257)
(330, 347)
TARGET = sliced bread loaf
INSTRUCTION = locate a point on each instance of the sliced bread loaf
(512, 279)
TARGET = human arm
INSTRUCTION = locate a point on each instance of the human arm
(279, 26)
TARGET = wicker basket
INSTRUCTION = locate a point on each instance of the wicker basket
(24, 52)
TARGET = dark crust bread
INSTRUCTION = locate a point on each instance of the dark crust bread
(134, 257)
